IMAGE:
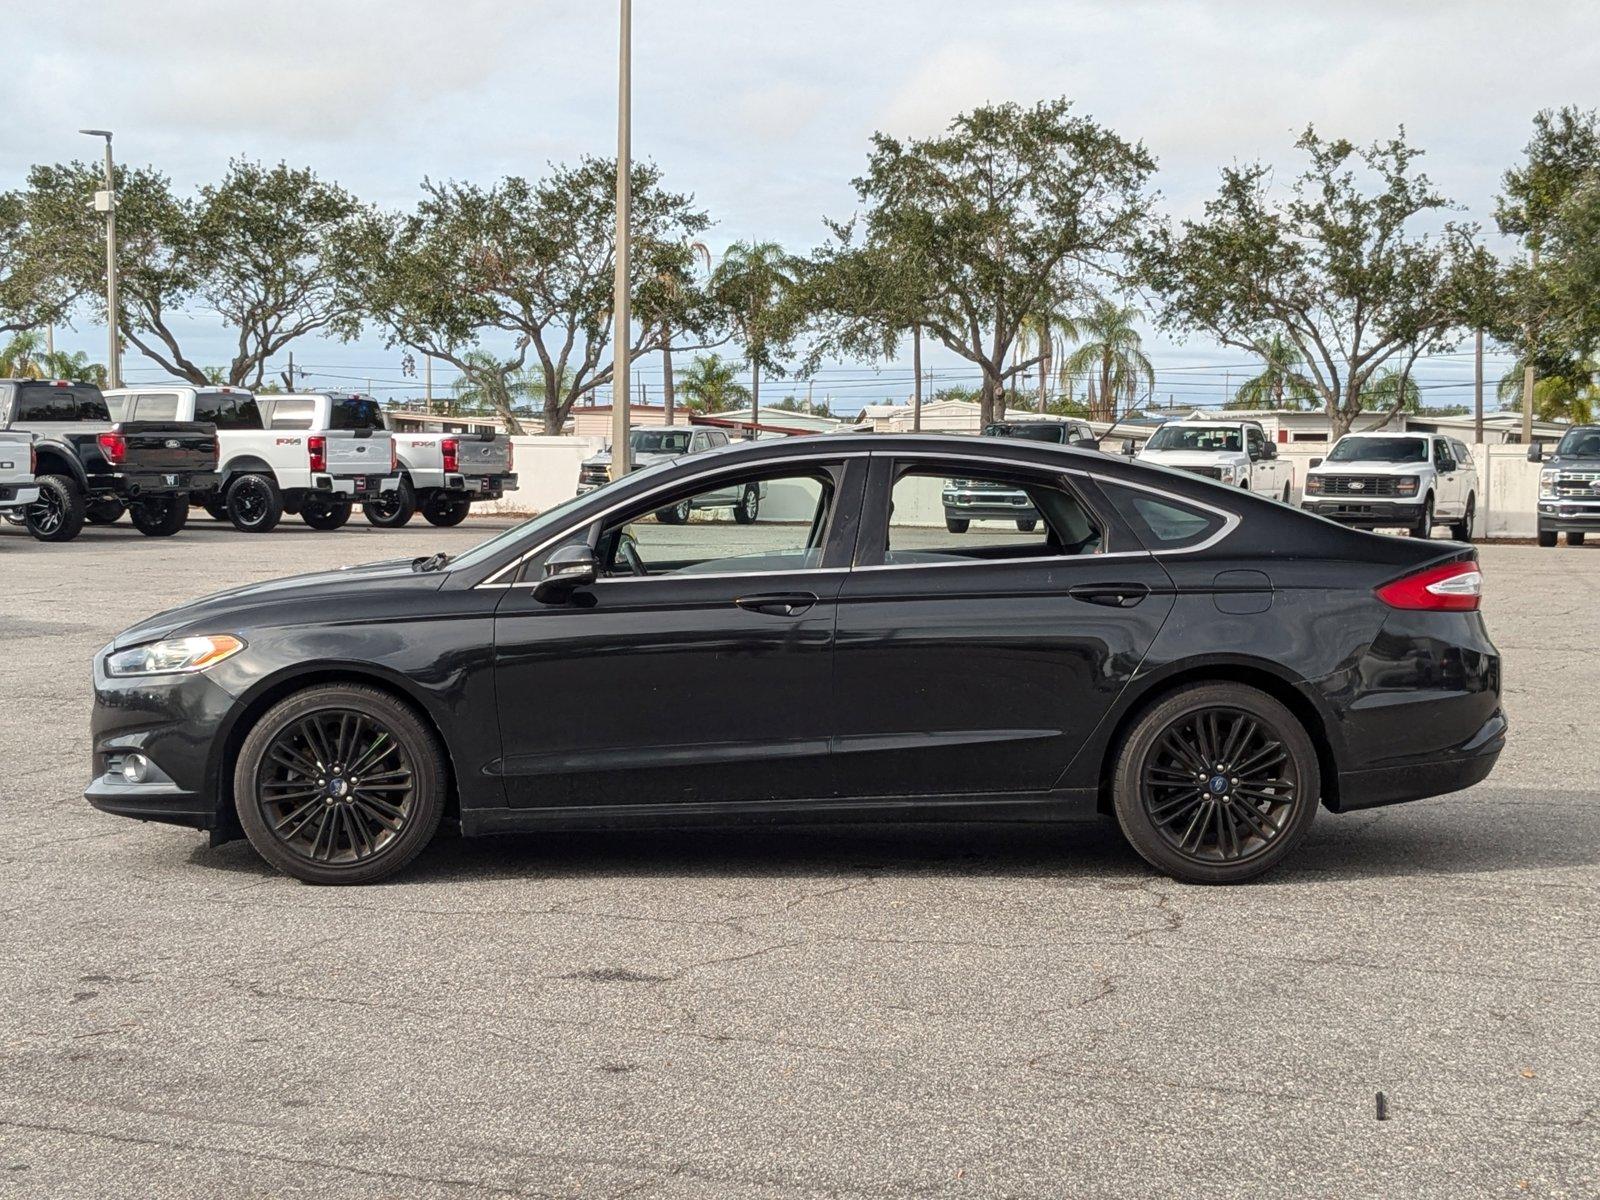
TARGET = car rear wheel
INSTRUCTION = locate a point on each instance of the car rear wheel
(159, 516)
(1216, 783)
(214, 506)
(957, 524)
(58, 514)
(104, 512)
(326, 512)
(1461, 530)
(1424, 526)
(1575, 539)
(678, 514)
(749, 506)
(391, 510)
(254, 504)
(445, 510)
(340, 783)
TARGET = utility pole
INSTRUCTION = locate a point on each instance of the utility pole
(1477, 390)
(619, 302)
(916, 367)
(106, 202)
(427, 380)
(1527, 372)
(288, 376)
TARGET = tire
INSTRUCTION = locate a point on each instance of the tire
(360, 835)
(1461, 530)
(1575, 539)
(104, 512)
(1151, 786)
(1547, 538)
(254, 504)
(678, 514)
(444, 510)
(58, 514)
(391, 510)
(1424, 526)
(957, 524)
(1288, 493)
(326, 513)
(749, 506)
(160, 516)
(215, 507)
(1028, 525)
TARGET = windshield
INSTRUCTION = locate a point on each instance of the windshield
(660, 441)
(1581, 443)
(354, 412)
(537, 528)
(1207, 438)
(1380, 449)
(1030, 431)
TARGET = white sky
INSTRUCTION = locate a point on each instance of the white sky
(763, 110)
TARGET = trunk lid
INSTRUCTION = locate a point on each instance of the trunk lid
(168, 447)
(480, 454)
(357, 451)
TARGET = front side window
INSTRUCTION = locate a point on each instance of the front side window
(1255, 441)
(753, 525)
(1442, 458)
(1380, 450)
(1209, 438)
(941, 516)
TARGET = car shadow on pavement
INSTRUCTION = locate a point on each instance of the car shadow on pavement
(1492, 830)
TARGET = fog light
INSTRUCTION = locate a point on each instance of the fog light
(135, 768)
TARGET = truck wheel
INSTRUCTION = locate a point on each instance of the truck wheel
(445, 510)
(678, 514)
(957, 524)
(1461, 530)
(391, 510)
(1575, 539)
(1028, 524)
(326, 512)
(749, 506)
(104, 512)
(1424, 526)
(1547, 538)
(216, 508)
(58, 514)
(254, 504)
(1286, 494)
(159, 516)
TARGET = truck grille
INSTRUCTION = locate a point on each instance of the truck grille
(1208, 472)
(1580, 483)
(1359, 485)
(593, 475)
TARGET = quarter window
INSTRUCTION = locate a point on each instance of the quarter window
(958, 514)
(1162, 522)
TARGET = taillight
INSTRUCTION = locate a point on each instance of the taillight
(317, 448)
(115, 448)
(511, 457)
(394, 456)
(1452, 587)
(451, 450)
(33, 459)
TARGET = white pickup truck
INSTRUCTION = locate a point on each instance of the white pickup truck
(17, 463)
(441, 474)
(1383, 479)
(309, 454)
(1235, 453)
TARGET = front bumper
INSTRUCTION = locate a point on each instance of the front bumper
(977, 504)
(1458, 768)
(17, 495)
(1569, 516)
(1365, 514)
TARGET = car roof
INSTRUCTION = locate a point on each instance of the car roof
(1373, 433)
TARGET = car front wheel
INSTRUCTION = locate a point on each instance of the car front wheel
(58, 514)
(160, 516)
(1216, 783)
(1461, 530)
(340, 783)
(1424, 526)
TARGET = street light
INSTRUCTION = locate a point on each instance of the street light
(106, 202)
(620, 337)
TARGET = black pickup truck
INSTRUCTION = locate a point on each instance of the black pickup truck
(1569, 486)
(90, 468)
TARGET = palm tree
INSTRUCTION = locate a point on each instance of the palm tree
(754, 281)
(1383, 393)
(25, 357)
(673, 285)
(1109, 354)
(1572, 394)
(711, 384)
(1045, 334)
(1280, 384)
(490, 385)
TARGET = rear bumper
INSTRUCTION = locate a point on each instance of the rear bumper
(355, 485)
(130, 485)
(1458, 768)
(17, 496)
(1365, 514)
(479, 487)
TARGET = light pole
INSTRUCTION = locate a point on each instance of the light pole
(106, 202)
(620, 336)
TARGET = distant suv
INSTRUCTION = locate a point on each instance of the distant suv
(1236, 453)
(1408, 480)
(969, 500)
(651, 444)
(1569, 486)
(90, 469)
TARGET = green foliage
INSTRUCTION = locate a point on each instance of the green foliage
(755, 285)
(1280, 384)
(1392, 391)
(974, 232)
(1110, 356)
(1336, 268)
(1570, 394)
(25, 357)
(711, 385)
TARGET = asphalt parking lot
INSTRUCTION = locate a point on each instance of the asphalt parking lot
(946, 1011)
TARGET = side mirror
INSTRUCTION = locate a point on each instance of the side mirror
(567, 569)
(1128, 447)
(1085, 443)
(1536, 452)
(1316, 462)
(1269, 450)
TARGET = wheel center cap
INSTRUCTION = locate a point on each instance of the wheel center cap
(1217, 785)
(338, 788)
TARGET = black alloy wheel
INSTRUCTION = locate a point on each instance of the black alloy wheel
(104, 512)
(58, 514)
(1461, 530)
(444, 510)
(340, 784)
(1424, 526)
(1216, 783)
(326, 512)
(254, 504)
(159, 516)
(391, 510)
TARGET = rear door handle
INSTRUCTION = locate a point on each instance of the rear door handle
(1111, 595)
(778, 604)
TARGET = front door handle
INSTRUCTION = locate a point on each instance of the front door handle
(778, 604)
(1111, 595)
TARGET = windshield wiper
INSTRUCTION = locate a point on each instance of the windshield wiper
(430, 562)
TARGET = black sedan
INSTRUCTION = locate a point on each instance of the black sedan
(1206, 666)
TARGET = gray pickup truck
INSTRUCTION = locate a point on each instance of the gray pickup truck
(441, 474)
(1569, 486)
(651, 444)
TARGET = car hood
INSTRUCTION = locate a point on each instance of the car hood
(1359, 467)
(1571, 462)
(603, 459)
(1192, 458)
(213, 612)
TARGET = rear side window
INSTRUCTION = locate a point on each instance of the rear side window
(157, 406)
(355, 412)
(293, 414)
(1463, 456)
(1163, 522)
(45, 402)
(227, 411)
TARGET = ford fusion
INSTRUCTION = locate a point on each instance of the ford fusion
(1207, 667)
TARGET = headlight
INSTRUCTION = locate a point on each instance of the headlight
(173, 657)
(1228, 473)
(1406, 485)
(1547, 482)
(1313, 485)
